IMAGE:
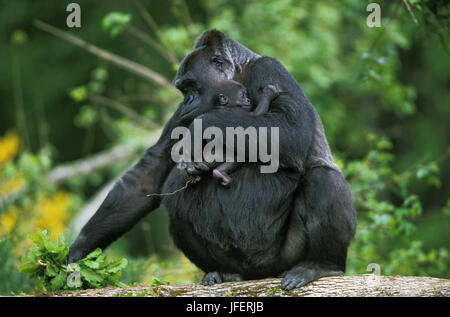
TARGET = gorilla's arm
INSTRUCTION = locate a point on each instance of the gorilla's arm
(293, 121)
(290, 112)
(127, 202)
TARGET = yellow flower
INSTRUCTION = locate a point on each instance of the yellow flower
(11, 186)
(8, 220)
(9, 147)
(52, 213)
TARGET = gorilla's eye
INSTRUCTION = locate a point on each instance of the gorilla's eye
(218, 62)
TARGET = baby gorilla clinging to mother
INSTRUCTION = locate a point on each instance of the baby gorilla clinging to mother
(231, 94)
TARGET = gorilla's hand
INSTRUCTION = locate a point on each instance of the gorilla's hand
(191, 169)
(271, 91)
(77, 251)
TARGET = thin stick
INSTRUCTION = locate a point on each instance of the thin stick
(152, 24)
(186, 17)
(410, 12)
(152, 43)
(189, 181)
(18, 99)
(118, 60)
(123, 110)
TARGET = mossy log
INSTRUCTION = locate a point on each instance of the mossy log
(336, 286)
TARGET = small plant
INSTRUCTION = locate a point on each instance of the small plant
(47, 261)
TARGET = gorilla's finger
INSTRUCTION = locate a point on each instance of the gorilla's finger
(192, 170)
(202, 166)
(183, 172)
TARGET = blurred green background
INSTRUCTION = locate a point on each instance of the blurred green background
(72, 120)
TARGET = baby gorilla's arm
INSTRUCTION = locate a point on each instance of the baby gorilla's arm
(269, 93)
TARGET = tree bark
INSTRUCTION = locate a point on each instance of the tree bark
(336, 286)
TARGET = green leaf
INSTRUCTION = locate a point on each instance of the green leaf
(86, 116)
(157, 281)
(94, 254)
(117, 265)
(91, 264)
(51, 269)
(19, 37)
(91, 277)
(100, 74)
(59, 281)
(115, 22)
(79, 93)
(29, 268)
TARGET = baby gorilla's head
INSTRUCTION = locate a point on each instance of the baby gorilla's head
(230, 93)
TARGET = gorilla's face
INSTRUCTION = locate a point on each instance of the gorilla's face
(199, 72)
(215, 58)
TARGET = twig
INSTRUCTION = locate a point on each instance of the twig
(18, 98)
(88, 165)
(102, 100)
(152, 43)
(187, 18)
(118, 60)
(153, 26)
(189, 181)
(410, 11)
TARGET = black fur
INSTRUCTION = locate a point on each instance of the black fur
(296, 223)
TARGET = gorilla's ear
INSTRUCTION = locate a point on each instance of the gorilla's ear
(211, 38)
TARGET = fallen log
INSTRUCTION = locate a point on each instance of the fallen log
(336, 286)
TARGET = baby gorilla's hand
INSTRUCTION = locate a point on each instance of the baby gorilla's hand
(271, 91)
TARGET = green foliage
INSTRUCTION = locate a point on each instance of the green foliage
(157, 281)
(19, 37)
(11, 281)
(115, 22)
(86, 116)
(47, 261)
(387, 213)
(79, 93)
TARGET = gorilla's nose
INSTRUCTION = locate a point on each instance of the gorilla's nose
(187, 81)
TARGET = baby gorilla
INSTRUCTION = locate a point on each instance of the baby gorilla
(231, 94)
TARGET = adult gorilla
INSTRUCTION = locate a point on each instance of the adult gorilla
(296, 223)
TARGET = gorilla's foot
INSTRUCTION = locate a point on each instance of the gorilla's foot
(301, 275)
(217, 278)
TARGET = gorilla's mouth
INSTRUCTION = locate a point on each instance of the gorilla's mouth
(187, 113)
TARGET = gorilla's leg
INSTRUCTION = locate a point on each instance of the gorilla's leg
(325, 207)
(194, 248)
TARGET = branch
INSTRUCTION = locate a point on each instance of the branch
(119, 61)
(153, 44)
(152, 24)
(141, 120)
(86, 166)
(100, 160)
(347, 286)
(410, 11)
